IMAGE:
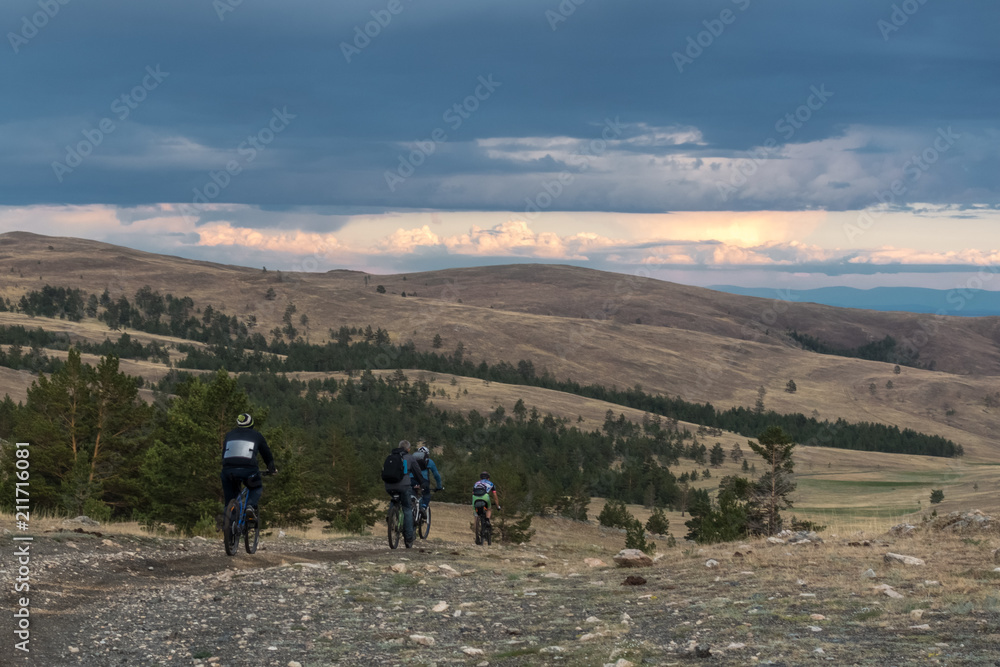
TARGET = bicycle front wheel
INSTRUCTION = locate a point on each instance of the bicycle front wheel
(230, 528)
(425, 527)
(394, 521)
(251, 535)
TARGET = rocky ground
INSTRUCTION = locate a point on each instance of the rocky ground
(135, 600)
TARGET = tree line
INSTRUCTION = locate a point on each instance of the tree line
(234, 347)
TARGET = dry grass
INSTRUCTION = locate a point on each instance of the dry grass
(690, 342)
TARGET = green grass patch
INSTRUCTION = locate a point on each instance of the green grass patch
(866, 614)
(517, 652)
(400, 579)
(201, 655)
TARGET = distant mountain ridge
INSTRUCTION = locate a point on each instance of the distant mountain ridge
(957, 302)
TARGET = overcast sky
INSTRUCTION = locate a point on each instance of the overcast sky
(704, 141)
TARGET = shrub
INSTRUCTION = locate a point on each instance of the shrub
(615, 515)
(635, 538)
(937, 495)
(658, 524)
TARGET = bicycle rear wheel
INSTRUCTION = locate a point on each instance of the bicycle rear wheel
(425, 526)
(252, 534)
(478, 530)
(487, 532)
(230, 528)
(394, 521)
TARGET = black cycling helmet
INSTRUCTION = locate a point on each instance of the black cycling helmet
(244, 420)
(484, 475)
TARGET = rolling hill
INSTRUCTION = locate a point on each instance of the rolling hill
(591, 326)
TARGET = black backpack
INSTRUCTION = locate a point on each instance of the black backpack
(394, 469)
(480, 489)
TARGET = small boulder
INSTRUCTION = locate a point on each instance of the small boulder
(633, 580)
(440, 606)
(632, 558)
(711, 563)
(868, 574)
(775, 540)
(891, 558)
(81, 521)
(903, 530)
(594, 562)
(423, 640)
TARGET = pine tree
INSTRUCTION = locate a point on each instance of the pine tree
(771, 491)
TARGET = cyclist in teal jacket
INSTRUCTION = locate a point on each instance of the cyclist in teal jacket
(426, 464)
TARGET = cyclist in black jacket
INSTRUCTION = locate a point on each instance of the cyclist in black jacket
(240, 448)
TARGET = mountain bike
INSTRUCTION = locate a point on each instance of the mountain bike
(394, 517)
(421, 517)
(483, 528)
(240, 520)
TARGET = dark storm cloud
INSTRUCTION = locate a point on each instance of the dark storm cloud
(183, 89)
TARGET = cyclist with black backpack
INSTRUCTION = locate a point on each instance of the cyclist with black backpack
(399, 472)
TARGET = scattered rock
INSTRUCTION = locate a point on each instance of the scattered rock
(80, 521)
(440, 606)
(294, 663)
(924, 626)
(916, 614)
(775, 540)
(889, 591)
(962, 521)
(593, 620)
(735, 646)
(633, 580)
(902, 530)
(552, 649)
(469, 650)
(632, 558)
(702, 651)
(399, 567)
(711, 563)
(931, 584)
(891, 558)
(423, 640)
(73, 649)
(804, 537)
(817, 617)
(868, 574)
(622, 662)
(814, 628)
(594, 562)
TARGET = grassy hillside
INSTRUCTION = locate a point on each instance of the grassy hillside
(600, 328)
